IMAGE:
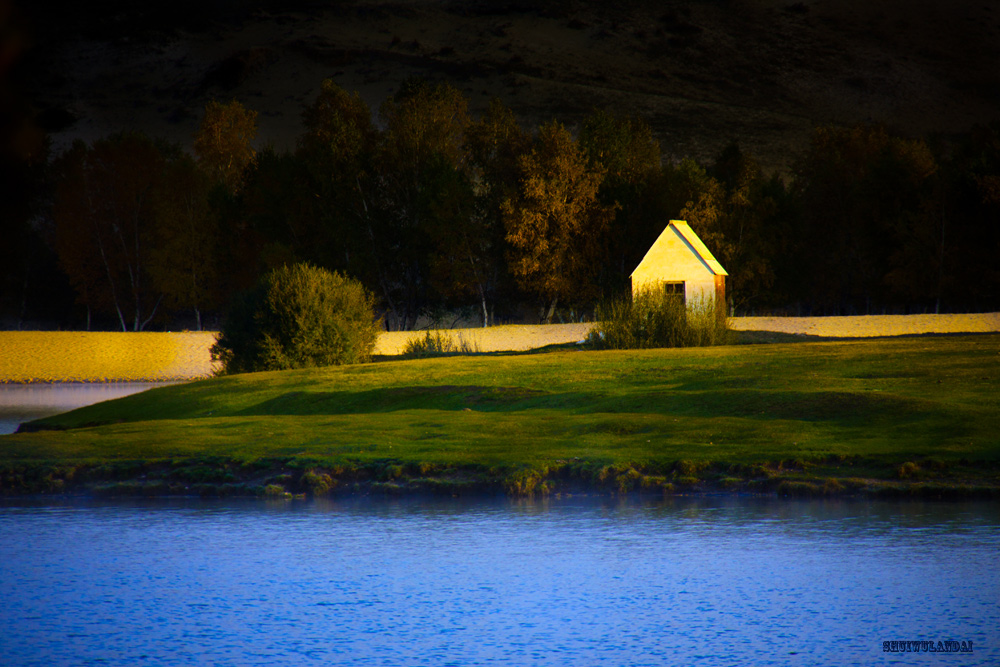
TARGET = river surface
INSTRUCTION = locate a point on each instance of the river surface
(24, 402)
(570, 581)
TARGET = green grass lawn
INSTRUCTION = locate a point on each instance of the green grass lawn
(811, 412)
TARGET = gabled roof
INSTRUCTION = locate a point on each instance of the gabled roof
(696, 245)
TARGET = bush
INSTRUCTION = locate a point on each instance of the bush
(437, 345)
(297, 317)
(654, 318)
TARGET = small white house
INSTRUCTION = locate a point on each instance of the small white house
(679, 262)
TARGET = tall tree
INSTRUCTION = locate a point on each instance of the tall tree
(104, 218)
(704, 204)
(280, 219)
(223, 143)
(860, 189)
(418, 162)
(184, 255)
(335, 224)
(555, 222)
(957, 241)
(459, 254)
(625, 148)
(31, 284)
(473, 254)
(982, 231)
(750, 226)
(223, 148)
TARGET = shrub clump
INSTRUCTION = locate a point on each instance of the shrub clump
(653, 318)
(437, 345)
(296, 317)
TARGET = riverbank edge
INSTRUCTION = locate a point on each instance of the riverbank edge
(277, 478)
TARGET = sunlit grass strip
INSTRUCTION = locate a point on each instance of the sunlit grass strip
(68, 356)
(905, 416)
(896, 399)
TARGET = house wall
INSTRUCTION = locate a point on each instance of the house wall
(672, 259)
(720, 297)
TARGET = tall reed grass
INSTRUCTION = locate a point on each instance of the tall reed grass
(437, 344)
(653, 318)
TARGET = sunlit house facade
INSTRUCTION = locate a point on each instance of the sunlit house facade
(679, 263)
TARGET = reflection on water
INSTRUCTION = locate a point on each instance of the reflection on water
(565, 582)
(24, 402)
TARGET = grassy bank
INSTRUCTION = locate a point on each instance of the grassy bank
(907, 415)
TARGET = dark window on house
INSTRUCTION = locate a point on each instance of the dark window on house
(675, 289)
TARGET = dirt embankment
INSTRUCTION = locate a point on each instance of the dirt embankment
(66, 356)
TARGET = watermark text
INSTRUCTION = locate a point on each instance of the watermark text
(927, 647)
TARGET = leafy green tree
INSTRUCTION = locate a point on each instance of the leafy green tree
(297, 317)
(555, 222)
(338, 126)
(104, 218)
(223, 148)
(424, 120)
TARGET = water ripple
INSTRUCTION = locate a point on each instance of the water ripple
(573, 582)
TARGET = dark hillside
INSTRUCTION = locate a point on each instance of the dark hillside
(702, 73)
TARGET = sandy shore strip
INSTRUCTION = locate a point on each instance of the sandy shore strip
(92, 356)
(868, 326)
(78, 356)
(529, 337)
(505, 338)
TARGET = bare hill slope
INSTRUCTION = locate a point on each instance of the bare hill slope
(702, 73)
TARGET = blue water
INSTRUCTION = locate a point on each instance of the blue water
(431, 582)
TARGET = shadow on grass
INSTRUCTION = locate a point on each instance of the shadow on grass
(766, 337)
(555, 347)
(693, 399)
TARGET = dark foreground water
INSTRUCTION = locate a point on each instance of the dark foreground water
(431, 582)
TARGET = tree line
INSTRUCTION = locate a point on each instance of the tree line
(436, 211)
